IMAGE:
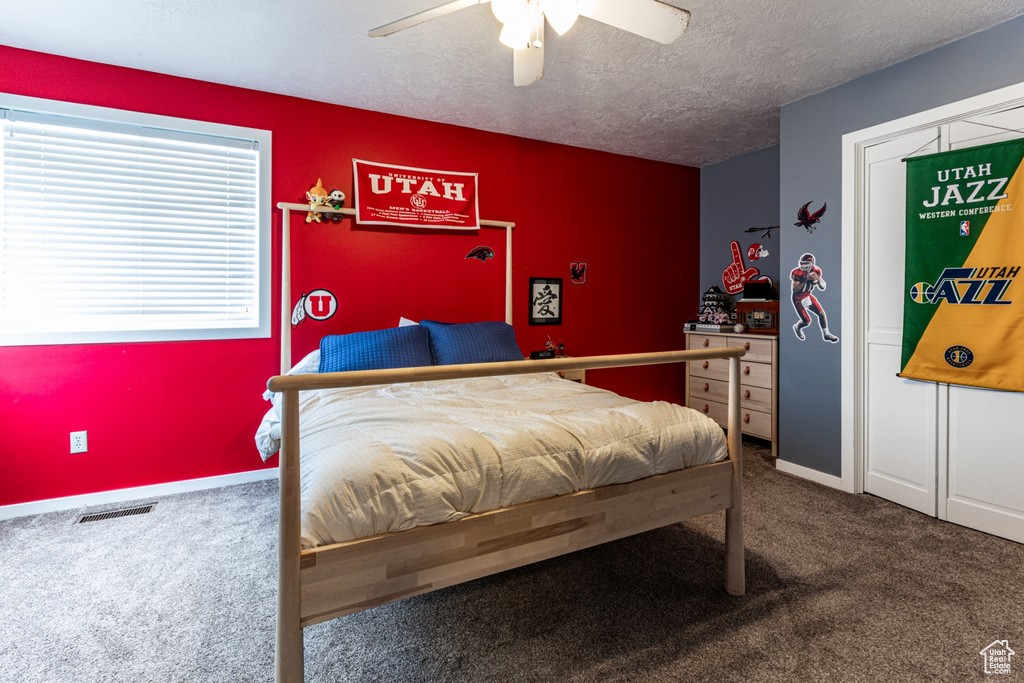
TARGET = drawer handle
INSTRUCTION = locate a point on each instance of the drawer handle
(746, 347)
(706, 407)
(746, 370)
(746, 418)
(746, 394)
(706, 386)
(706, 342)
(705, 365)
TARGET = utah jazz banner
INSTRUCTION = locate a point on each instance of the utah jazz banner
(963, 312)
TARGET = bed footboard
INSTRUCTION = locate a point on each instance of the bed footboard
(335, 580)
(349, 577)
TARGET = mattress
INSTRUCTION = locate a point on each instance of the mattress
(388, 458)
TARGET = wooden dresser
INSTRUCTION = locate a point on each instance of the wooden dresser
(707, 382)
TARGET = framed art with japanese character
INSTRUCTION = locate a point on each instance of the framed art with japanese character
(545, 301)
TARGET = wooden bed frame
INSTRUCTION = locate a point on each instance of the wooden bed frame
(331, 581)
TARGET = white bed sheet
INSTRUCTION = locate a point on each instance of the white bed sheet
(378, 459)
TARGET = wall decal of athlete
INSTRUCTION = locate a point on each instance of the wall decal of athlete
(806, 276)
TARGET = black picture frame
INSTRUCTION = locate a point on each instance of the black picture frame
(545, 301)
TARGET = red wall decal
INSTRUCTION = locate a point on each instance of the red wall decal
(163, 412)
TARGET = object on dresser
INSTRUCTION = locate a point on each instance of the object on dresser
(697, 326)
(556, 349)
(759, 317)
(758, 290)
(539, 355)
(714, 306)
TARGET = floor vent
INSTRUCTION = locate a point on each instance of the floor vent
(111, 514)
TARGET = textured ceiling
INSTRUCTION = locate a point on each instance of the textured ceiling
(711, 95)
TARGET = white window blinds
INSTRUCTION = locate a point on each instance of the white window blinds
(115, 231)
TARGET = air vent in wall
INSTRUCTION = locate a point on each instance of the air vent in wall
(111, 514)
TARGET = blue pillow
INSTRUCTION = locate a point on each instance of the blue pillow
(483, 342)
(395, 347)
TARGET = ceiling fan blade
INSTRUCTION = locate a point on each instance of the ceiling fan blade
(528, 62)
(528, 65)
(648, 18)
(419, 18)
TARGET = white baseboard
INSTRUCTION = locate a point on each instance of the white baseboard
(807, 473)
(122, 495)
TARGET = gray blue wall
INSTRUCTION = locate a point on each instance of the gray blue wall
(735, 195)
(810, 169)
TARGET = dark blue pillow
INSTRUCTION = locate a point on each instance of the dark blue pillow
(483, 342)
(395, 347)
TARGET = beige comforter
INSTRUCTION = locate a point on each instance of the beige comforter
(378, 459)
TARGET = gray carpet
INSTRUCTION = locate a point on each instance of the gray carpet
(839, 588)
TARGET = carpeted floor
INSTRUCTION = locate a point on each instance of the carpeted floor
(839, 588)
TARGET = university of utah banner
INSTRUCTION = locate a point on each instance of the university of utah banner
(415, 197)
(963, 312)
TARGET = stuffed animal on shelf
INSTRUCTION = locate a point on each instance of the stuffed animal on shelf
(335, 200)
(317, 196)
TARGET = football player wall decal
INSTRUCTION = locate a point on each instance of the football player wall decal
(806, 277)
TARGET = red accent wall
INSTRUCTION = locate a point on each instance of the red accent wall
(163, 412)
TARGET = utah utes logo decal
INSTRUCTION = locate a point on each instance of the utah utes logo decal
(318, 305)
(578, 272)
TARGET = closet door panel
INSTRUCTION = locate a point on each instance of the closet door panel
(901, 436)
(900, 443)
(986, 461)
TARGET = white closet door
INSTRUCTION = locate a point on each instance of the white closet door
(985, 488)
(985, 473)
(901, 444)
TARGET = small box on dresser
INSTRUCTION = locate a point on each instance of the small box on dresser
(707, 382)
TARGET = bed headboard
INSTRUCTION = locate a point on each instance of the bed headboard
(286, 269)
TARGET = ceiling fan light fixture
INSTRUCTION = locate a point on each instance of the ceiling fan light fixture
(506, 10)
(523, 24)
(516, 31)
(561, 14)
(515, 34)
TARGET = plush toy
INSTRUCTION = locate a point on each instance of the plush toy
(335, 200)
(317, 196)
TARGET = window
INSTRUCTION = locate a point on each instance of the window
(117, 226)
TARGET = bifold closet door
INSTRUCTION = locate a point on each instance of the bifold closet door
(948, 451)
(984, 474)
(901, 446)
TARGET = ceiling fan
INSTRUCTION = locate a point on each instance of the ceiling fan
(523, 24)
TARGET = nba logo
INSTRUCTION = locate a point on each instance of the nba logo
(965, 228)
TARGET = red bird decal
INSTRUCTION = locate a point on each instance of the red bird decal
(809, 219)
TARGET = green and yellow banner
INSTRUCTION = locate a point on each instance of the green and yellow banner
(963, 310)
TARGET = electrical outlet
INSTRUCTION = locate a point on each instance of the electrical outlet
(79, 442)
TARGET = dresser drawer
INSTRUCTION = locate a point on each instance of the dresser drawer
(751, 397)
(754, 374)
(713, 368)
(756, 423)
(758, 350)
(704, 389)
(706, 341)
(752, 422)
(751, 374)
(755, 398)
(718, 412)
